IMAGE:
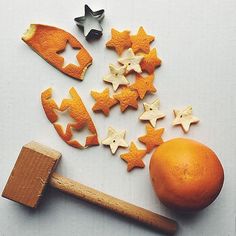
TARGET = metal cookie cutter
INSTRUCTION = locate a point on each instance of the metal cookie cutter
(90, 23)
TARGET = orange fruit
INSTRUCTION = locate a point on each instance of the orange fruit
(186, 175)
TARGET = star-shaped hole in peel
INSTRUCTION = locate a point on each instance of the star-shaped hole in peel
(115, 139)
(64, 119)
(69, 55)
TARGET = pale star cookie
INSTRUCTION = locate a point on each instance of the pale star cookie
(184, 118)
(116, 76)
(131, 61)
(152, 112)
(115, 139)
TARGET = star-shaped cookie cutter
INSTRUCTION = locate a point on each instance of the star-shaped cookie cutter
(90, 23)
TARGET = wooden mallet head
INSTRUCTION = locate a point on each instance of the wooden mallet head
(31, 174)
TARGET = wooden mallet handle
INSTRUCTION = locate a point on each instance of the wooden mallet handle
(126, 209)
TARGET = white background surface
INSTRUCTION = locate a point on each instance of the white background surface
(196, 40)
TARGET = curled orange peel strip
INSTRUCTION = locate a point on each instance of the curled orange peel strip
(49, 41)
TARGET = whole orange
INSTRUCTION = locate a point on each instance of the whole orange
(186, 174)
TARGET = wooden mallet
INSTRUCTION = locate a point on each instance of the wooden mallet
(34, 169)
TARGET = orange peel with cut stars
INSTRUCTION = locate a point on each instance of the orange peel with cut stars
(49, 42)
(77, 111)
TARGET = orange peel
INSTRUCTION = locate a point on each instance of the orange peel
(49, 41)
(119, 40)
(77, 111)
(141, 41)
(150, 61)
(103, 101)
(152, 138)
(127, 98)
(143, 85)
(134, 157)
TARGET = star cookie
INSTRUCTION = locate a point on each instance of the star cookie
(127, 97)
(143, 85)
(185, 118)
(152, 112)
(115, 139)
(150, 61)
(134, 157)
(116, 76)
(103, 101)
(152, 138)
(131, 61)
(141, 41)
(119, 41)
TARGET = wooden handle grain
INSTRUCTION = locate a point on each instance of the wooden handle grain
(126, 209)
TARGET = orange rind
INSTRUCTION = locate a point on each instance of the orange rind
(49, 42)
(77, 112)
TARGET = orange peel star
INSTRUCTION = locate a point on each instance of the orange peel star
(49, 42)
(116, 76)
(77, 112)
(150, 61)
(185, 118)
(127, 98)
(131, 61)
(119, 40)
(152, 138)
(103, 101)
(115, 139)
(134, 157)
(143, 85)
(141, 41)
(152, 112)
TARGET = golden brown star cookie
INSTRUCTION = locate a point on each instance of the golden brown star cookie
(143, 85)
(134, 157)
(119, 40)
(141, 41)
(103, 101)
(150, 61)
(127, 98)
(152, 138)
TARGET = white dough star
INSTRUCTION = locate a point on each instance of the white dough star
(131, 61)
(152, 112)
(115, 139)
(116, 76)
(184, 118)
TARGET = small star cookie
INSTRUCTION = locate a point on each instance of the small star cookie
(116, 76)
(131, 61)
(152, 112)
(119, 40)
(150, 61)
(152, 138)
(115, 139)
(141, 41)
(134, 157)
(143, 85)
(103, 101)
(127, 97)
(185, 118)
